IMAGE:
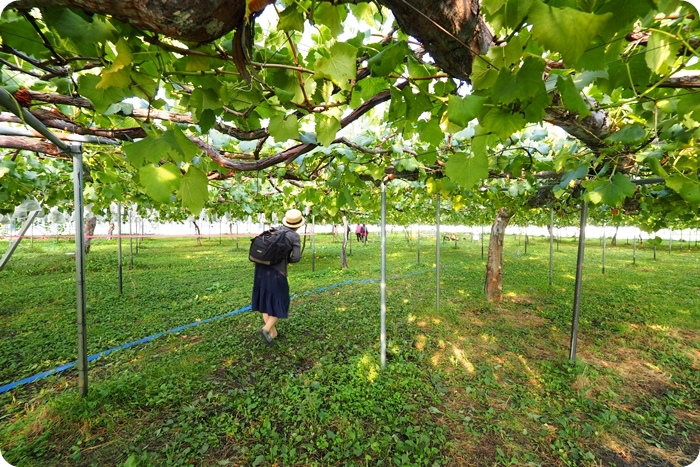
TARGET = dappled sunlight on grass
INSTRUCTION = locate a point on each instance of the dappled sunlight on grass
(534, 377)
(367, 368)
(459, 357)
(487, 338)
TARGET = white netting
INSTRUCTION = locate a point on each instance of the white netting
(26, 207)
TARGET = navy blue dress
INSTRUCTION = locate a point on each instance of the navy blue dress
(270, 291)
(270, 285)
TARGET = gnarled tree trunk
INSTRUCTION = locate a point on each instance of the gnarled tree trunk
(494, 264)
(190, 20)
(90, 225)
(613, 241)
(199, 233)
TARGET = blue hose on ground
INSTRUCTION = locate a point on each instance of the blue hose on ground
(59, 369)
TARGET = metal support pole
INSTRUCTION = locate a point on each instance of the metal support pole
(80, 269)
(579, 277)
(382, 287)
(634, 250)
(681, 241)
(418, 243)
(437, 255)
(551, 246)
(236, 235)
(13, 244)
(604, 247)
(313, 243)
(670, 240)
(119, 246)
(131, 242)
(482, 242)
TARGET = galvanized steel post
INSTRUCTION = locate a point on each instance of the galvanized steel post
(579, 277)
(437, 254)
(82, 363)
(382, 286)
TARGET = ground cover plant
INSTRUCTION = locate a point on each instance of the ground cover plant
(472, 383)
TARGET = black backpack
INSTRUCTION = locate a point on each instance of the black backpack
(269, 248)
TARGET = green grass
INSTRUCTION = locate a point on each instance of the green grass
(474, 383)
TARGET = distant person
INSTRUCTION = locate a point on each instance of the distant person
(364, 233)
(358, 232)
(270, 285)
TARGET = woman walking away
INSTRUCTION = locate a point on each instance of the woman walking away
(270, 285)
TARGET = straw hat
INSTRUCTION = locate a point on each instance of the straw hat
(293, 219)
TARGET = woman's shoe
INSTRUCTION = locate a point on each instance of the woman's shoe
(266, 335)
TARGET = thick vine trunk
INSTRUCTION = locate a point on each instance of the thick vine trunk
(90, 225)
(199, 233)
(494, 264)
(190, 20)
(453, 32)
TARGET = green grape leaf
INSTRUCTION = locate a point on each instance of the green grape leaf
(609, 192)
(146, 151)
(205, 98)
(629, 134)
(120, 78)
(462, 110)
(432, 133)
(466, 170)
(282, 128)
(688, 189)
(565, 30)
(101, 98)
(145, 86)
(661, 53)
(21, 35)
(181, 148)
(388, 59)
(326, 129)
(160, 182)
(86, 33)
(571, 97)
(484, 74)
(502, 122)
(291, 19)
(197, 63)
(522, 85)
(340, 66)
(193, 190)
(123, 58)
(206, 120)
(329, 16)
(570, 175)
(417, 103)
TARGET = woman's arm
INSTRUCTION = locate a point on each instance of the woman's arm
(295, 257)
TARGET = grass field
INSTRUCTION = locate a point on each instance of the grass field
(472, 383)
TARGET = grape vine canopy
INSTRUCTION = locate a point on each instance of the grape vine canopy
(235, 106)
